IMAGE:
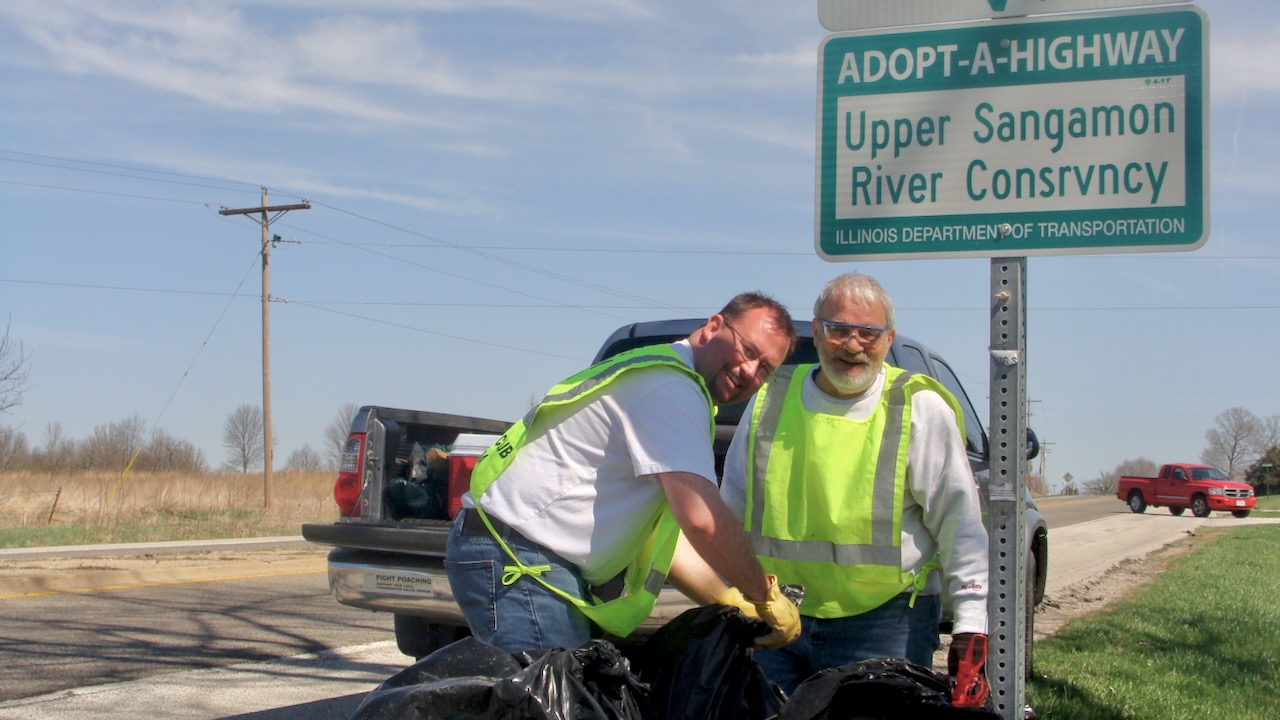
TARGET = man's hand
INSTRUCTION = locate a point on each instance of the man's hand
(776, 611)
(780, 614)
(965, 660)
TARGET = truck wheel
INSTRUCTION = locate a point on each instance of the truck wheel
(418, 638)
(1029, 601)
(1240, 513)
(1136, 503)
(1200, 506)
(1176, 509)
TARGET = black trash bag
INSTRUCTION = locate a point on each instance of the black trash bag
(454, 683)
(470, 680)
(421, 487)
(593, 682)
(880, 689)
(700, 666)
(427, 500)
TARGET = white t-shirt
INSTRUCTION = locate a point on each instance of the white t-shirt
(941, 510)
(583, 485)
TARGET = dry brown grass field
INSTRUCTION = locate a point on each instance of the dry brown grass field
(40, 508)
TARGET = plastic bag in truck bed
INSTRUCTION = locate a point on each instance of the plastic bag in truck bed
(421, 488)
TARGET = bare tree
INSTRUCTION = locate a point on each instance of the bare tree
(58, 450)
(242, 437)
(167, 453)
(1141, 467)
(1268, 435)
(1232, 441)
(304, 458)
(14, 453)
(14, 371)
(112, 445)
(1105, 483)
(335, 435)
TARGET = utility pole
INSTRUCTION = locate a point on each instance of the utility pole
(1044, 458)
(266, 218)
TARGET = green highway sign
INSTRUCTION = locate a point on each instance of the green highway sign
(1070, 134)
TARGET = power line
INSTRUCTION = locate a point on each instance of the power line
(436, 333)
(121, 167)
(105, 192)
(553, 305)
(522, 266)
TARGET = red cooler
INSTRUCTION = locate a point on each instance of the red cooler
(462, 460)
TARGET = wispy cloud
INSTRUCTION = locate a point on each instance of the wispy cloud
(344, 61)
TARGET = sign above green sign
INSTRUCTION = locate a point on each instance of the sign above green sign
(841, 15)
(1066, 135)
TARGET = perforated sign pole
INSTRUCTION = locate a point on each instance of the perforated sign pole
(1006, 511)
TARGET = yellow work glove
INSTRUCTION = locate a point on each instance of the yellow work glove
(780, 614)
(776, 611)
(733, 597)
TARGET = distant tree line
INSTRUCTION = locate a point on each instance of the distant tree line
(111, 447)
(1240, 444)
(114, 445)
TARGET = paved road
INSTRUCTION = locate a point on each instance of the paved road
(330, 684)
(180, 634)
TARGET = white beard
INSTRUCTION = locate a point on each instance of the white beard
(850, 382)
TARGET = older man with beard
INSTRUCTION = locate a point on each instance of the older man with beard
(852, 480)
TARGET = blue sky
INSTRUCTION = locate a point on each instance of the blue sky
(497, 185)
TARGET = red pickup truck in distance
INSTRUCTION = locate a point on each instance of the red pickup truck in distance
(1182, 485)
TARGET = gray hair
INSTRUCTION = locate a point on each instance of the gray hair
(858, 287)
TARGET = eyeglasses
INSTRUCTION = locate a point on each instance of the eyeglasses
(751, 354)
(843, 332)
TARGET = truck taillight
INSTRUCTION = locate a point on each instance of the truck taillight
(346, 491)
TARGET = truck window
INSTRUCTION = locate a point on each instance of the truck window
(909, 357)
(1178, 474)
(972, 424)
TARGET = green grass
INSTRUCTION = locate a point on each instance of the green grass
(1270, 503)
(1202, 640)
(154, 527)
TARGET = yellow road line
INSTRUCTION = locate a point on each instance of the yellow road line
(111, 580)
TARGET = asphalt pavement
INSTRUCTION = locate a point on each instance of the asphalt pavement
(328, 685)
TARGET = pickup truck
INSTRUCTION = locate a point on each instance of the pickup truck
(1181, 485)
(389, 539)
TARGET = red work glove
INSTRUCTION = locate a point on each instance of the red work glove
(965, 661)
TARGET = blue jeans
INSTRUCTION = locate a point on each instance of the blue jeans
(523, 615)
(891, 630)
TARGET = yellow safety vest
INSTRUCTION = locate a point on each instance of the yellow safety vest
(825, 494)
(647, 572)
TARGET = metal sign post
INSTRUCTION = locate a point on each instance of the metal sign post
(1006, 510)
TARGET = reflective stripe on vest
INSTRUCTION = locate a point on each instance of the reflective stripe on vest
(830, 517)
(646, 574)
